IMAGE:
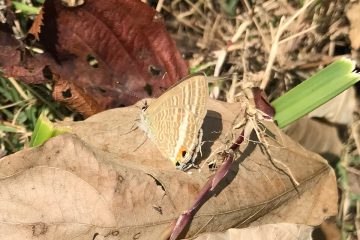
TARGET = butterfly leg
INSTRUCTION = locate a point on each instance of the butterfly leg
(133, 127)
(142, 143)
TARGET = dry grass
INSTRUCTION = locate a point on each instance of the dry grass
(275, 41)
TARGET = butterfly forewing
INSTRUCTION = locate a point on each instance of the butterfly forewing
(191, 94)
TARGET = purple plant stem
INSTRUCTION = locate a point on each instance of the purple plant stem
(207, 190)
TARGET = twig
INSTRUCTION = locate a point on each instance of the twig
(207, 190)
(18, 88)
(223, 53)
(298, 34)
(159, 5)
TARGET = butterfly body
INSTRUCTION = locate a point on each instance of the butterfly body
(173, 121)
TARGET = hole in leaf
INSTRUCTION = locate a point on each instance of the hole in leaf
(67, 93)
(47, 73)
(158, 183)
(136, 236)
(95, 235)
(101, 90)
(72, 3)
(212, 166)
(154, 71)
(148, 89)
(92, 61)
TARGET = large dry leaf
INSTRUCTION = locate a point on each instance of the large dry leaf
(101, 182)
(317, 136)
(338, 110)
(281, 231)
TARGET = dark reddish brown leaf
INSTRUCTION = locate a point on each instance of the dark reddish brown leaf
(15, 62)
(135, 55)
(9, 54)
(75, 97)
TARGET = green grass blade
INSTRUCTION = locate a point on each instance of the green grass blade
(26, 8)
(44, 130)
(4, 128)
(315, 91)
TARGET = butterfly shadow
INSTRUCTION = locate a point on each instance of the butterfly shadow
(212, 128)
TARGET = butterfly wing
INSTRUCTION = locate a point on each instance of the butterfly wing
(175, 133)
(173, 121)
(190, 93)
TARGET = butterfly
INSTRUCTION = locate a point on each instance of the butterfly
(173, 121)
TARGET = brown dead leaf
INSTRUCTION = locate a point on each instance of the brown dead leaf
(317, 136)
(102, 181)
(280, 231)
(36, 26)
(75, 98)
(338, 110)
(328, 230)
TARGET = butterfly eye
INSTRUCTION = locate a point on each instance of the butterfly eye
(143, 108)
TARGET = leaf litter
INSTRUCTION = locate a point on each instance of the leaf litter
(86, 183)
(305, 45)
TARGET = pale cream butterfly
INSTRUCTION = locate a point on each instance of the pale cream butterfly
(173, 121)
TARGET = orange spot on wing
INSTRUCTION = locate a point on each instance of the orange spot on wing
(181, 154)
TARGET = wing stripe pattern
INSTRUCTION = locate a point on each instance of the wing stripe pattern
(173, 120)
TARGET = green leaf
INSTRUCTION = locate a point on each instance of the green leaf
(315, 91)
(229, 6)
(26, 8)
(44, 130)
(7, 129)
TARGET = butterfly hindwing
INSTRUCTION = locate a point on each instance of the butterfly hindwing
(173, 121)
(173, 129)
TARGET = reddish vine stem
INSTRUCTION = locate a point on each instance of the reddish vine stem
(208, 190)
